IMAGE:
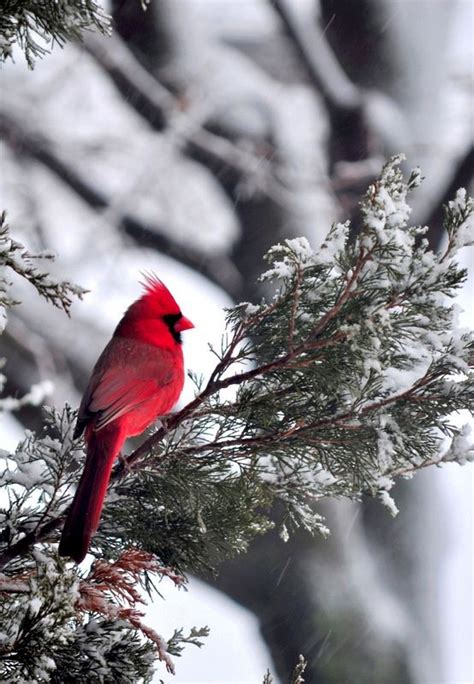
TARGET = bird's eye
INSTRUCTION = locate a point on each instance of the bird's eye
(171, 319)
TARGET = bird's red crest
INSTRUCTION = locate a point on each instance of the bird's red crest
(157, 294)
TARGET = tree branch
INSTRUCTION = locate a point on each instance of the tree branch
(344, 100)
(23, 139)
(164, 113)
(319, 62)
(461, 177)
(215, 385)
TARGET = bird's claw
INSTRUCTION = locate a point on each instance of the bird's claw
(124, 464)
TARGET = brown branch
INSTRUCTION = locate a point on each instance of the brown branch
(294, 307)
(346, 294)
(42, 533)
(217, 383)
(23, 546)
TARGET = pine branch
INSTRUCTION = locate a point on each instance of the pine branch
(344, 380)
(296, 677)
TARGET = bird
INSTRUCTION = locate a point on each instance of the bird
(138, 377)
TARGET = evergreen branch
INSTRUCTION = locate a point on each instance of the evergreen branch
(49, 21)
(347, 384)
(296, 677)
(15, 256)
(346, 379)
(110, 590)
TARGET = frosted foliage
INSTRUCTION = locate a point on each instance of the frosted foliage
(390, 299)
(344, 380)
(461, 449)
(14, 256)
(461, 208)
(36, 27)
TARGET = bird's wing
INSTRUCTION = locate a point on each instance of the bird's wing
(122, 381)
(120, 392)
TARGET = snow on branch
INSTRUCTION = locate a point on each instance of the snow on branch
(15, 256)
(296, 677)
(348, 376)
(54, 620)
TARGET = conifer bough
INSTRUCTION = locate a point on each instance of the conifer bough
(345, 379)
(36, 25)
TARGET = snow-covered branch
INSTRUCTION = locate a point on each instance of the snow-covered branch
(15, 256)
(164, 112)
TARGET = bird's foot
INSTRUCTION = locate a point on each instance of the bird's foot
(163, 423)
(125, 467)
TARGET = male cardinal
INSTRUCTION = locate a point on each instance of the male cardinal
(138, 377)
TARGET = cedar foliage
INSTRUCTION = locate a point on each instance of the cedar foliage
(346, 378)
(37, 26)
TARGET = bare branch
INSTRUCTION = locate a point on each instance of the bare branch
(20, 137)
(319, 62)
(164, 113)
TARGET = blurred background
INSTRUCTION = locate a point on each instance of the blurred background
(195, 137)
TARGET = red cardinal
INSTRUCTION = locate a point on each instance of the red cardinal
(138, 377)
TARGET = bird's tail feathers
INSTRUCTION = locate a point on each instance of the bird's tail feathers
(84, 515)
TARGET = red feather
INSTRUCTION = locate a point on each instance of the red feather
(138, 377)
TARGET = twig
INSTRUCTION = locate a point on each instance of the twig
(462, 177)
(294, 307)
(346, 294)
(42, 533)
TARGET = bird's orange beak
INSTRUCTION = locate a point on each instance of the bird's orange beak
(183, 324)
